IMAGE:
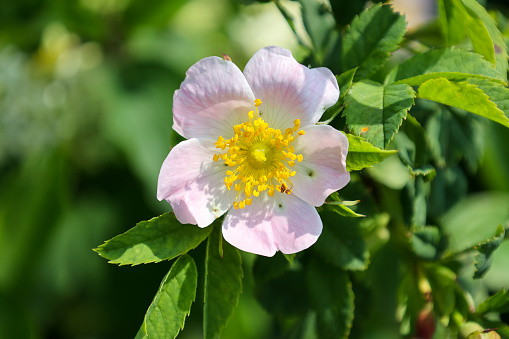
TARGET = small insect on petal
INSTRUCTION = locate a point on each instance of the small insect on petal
(226, 57)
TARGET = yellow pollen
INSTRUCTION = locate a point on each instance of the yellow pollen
(259, 158)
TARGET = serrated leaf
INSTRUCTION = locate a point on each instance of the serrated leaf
(167, 313)
(344, 11)
(498, 93)
(375, 111)
(462, 95)
(345, 82)
(485, 251)
(332, 297)
(223, 285)
(341, 242)
(449, 63)
(496, 303)
(362, 154)
(160, 238)
(371, 38)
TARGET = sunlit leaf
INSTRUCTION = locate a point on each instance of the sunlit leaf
(331, 295)
(160, 238)
(375, 111)
(449, 63)
(371, 38)
(462, 95)
(223, 284)
(167, 313)
(484, 255)
(362, 154)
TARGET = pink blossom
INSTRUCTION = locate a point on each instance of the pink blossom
(254, 151)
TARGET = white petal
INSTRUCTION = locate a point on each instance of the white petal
(323, 169)
(213, 97)
(193, 183)
(283, 222)
(289, 90)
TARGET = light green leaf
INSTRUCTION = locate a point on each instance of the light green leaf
(167, 313)
(375, 111)
(498, 93)
(344, 202)
(496, 303)
(449, 63)
(462, 95)
(332, 297)
(362, 154)
(371, 38)
(341, 242)
(484, 255)
(160, 238)
(497, 39)
(443, 286)
(344, 211)
(223, 284)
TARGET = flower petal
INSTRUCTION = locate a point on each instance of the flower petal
(323, 169)
(289, 90)
(213, 97)
(283, 222)
(193, 183)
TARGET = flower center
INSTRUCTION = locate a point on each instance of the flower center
(259, 158)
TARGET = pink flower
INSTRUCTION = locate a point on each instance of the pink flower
(254, 151)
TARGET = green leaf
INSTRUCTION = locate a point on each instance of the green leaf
(266, 269)
(223, 285)
(362, 154)
(341, 242)
(371, 38)
(451, 22)
(496, 303)
(375, 111)
(344, 211)
(462, 95)
(167, 313)
(344, 11)
(318, 21)
(449, 63)
(474, 219)
(498, 93)
(484, 257)
(160, 238)
(426, 242)
(331, 295)
(495, 37)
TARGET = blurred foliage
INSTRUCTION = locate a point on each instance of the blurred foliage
(85, 123)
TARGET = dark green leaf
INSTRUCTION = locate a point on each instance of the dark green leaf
(496, 303)
(167, 313)
(426, 242)
(341, 242)
(462, 95)
(371, 38)
(375, 111)
(331, 295)
(485, 251)
(223, 284)
(344, 11)
(362, 154)
(160, 238)
(266, 269)
(449, 63)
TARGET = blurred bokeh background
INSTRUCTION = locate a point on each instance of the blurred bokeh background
(86, 92)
